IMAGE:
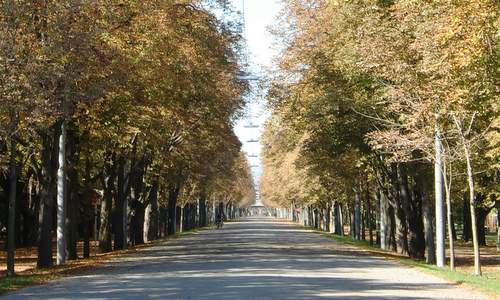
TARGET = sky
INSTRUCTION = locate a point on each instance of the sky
(259, 15)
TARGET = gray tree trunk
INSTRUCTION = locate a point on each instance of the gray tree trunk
(357, 215)
(120, 209)
(341, 221)
(377, 217)
(181, 223)
(475, 240)
(439, 214)
(61, 198)
(172, 209)
(326, 219)
(105, 241)
(498, 224)
(151, 215)
(213, 213)
(430, 249)
(383, 220)
(472, 196)
(47, 197)
(10, 8)
(332, 217)
(447, 188)
(11, 239)
(304, 213)
(369, 218)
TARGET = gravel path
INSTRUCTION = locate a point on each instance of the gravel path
(252, 259)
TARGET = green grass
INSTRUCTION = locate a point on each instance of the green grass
(488, 283)
(491, 238)
(8, 284)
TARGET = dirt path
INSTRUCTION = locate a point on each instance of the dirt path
(252, 259)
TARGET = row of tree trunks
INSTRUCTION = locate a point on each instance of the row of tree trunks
(35, 196)
(400, 213)
(481, 214)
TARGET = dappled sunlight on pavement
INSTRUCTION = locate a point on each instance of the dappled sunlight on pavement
(256, 258)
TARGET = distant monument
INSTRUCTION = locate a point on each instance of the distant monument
(258, 208)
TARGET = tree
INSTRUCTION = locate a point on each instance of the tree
(395, 65)
(126, 101)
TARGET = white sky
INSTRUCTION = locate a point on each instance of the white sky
(259, 15)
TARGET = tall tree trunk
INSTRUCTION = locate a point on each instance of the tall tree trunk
(413, 211)
(164, 221)
(172, 209)
(363, 221)
(341, 221)
(369, 218)
(470, 180)
(378, 240)
(326, 218)
(430, 256)
(11, 239)
(317, 218)
(10, 26)
(182, 220)
(203, 210)
(120, 213)
(105, 242)
(481, 215)
(89, 215)
(151, 218)
(401, 232)
(137, 222)
(497, 205)
(332, 216)
(400, 218)
(72, 196)
(357, 215)
(61, 197)
(310, 217)
(439, 214)
(352, 221)
(214, 214)
(303, 217)
(449, 218)
(47, 198)
(384, 222)
(194, 215)
(393, 229)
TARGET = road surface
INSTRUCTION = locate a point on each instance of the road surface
(256, 258)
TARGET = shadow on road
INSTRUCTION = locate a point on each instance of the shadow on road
(256, 258)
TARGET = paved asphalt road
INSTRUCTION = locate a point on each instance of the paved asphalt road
(256, 258)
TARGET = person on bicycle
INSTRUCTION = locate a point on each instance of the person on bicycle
(220, 219)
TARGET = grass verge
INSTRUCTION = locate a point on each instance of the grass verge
(40, 276)
(489, 283)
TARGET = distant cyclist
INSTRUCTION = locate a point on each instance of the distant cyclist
(219, 220)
